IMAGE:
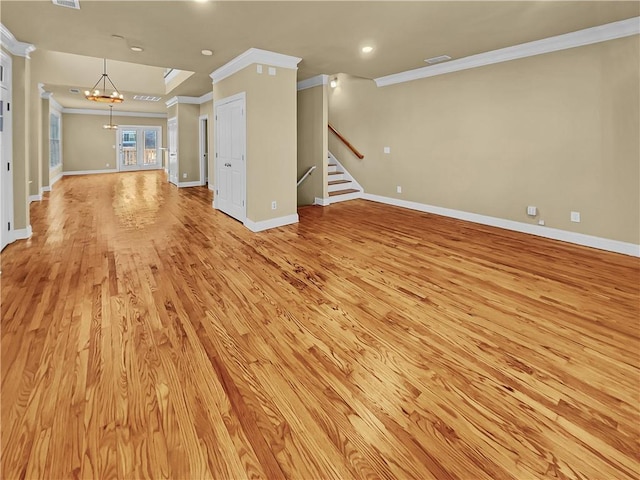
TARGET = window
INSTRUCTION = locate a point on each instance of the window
(54, 140)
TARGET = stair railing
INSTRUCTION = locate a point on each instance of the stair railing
(346, 142)
(304, 177)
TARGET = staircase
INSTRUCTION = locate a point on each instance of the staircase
(341, 185)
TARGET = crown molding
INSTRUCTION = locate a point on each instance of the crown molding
(86, 111)
(251, 56)
(20, 49)
(588, 36)
(316, 81)
(207, 97)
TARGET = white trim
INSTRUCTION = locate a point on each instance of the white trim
(271, 223)
(20, 234)
(587, 36)
(189, 184)
(171, 75)
(89, 172)
(54, 105)
(53, 180)
(323, 202)
(207, 97)
(202, 135)
(540, 231)
(212, 188)
(20, 49)
(35, 198)
(345, 197)
(251, 56)
(46, 188)
(183, 99)
(316, 81)
(86, 111)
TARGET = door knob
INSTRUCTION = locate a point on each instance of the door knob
(227, 164)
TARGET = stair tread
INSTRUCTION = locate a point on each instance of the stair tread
(336, 173)
(332, 165)
(337, 182)
(343, 192)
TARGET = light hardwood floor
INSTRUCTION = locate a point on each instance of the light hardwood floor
(146, 335)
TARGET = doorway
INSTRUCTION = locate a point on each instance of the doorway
(6, 153)
(139, 147)
(204, 149)
(230, 161)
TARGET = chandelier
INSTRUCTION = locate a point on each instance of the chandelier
(97, 95)
(111, 126)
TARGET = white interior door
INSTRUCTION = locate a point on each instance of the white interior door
(6, 166)
(139, 147)
(172, 146)
(230, 161)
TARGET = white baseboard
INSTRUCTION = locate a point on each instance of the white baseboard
(89, 172)
(21, 233)
(211, 187)
(323, 202)
(189, 184)
(45, 189)
(271, 223)
(541, 231)
(35, 198)
(54, 180)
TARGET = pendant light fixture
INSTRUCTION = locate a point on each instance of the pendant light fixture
(103, 96)
(111, 126)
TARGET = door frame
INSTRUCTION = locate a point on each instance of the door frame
(118, 134)
(6, 171)
(172, 123)
(216, 104)
(203, 131)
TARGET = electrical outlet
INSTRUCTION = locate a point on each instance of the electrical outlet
(575, 217)
(399, 189)
(274, 205)
(108, 165)
(387, 149)
(184, 175)
(541, 222)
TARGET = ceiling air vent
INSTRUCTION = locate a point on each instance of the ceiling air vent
(441, 58)
(146, 98)
(67, 3)
(75, 91)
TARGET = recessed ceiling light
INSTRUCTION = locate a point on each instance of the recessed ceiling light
(441, 58)
(137, 49)
(367, 49)
(207, 53)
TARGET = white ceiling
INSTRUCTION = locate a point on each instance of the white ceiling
(328, 36)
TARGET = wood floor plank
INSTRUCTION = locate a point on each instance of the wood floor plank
(146, 335)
